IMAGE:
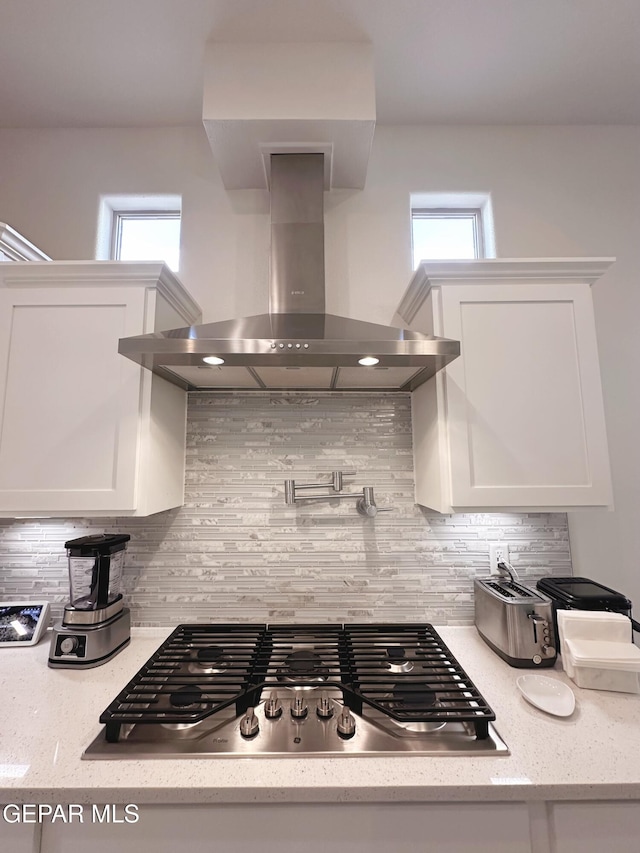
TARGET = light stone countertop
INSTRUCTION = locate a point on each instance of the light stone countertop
(48, 717)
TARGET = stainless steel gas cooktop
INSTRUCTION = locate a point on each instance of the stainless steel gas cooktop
(298, 690)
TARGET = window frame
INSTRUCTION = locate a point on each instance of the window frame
(475, 214)
(120, 215)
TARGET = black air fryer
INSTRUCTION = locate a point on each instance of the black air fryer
(585, 594)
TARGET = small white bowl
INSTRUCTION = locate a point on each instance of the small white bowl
(547, 694)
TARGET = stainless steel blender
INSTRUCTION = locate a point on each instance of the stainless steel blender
(95, 625)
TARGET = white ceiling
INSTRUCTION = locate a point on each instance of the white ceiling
(90, 63)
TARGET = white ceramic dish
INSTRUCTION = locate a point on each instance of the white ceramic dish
(547, 694)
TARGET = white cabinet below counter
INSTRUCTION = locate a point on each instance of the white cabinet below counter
(384, 827)
(517, 421)
(83, 430)
(313, 828)
(18, 837)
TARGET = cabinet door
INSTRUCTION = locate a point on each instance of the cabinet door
(312, 828)
(524, 409)
(69, 403)
(17, 837)
(594, 827)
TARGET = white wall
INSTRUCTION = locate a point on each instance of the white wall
(51, 182)
(556, 191)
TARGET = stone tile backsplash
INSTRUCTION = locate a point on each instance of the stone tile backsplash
(235, 552)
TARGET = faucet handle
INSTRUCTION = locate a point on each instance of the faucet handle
(367, 505)
(337, 479)
(372, 511)
(366, 509)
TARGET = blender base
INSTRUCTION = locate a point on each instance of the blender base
(82, 647)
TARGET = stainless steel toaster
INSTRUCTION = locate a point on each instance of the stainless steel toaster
(515, 621)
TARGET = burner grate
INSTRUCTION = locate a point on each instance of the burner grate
(406, 672)
(303, 656)
(181, 669)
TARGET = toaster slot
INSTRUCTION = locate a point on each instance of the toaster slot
(510, 590)
(496, 587)
(521, 591)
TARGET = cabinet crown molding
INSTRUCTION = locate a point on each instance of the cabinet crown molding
(18, 248)
(498, 270)
(105, 274)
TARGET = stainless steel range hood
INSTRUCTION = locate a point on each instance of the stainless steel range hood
(295, 346)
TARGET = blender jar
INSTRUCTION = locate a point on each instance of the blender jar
(95, 569)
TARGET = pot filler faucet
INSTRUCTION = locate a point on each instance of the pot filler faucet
(365, 501)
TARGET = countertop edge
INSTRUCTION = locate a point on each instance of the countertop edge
(329, 794)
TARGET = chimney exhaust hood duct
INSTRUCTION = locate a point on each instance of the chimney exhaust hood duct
(297, 345)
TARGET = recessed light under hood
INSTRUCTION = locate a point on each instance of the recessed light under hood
(297, 345)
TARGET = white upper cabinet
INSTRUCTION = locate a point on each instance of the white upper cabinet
(517, 421)
(83, 430)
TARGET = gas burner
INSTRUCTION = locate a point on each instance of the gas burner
(416, 700)
(303, 666)
(188, 696)
(209, 660)
(407, 697)
(397, 659)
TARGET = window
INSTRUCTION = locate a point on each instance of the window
(146, 236)
(446, 234)
(451, 226)
(139, 228)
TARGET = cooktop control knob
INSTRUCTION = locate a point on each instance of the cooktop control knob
(273, 708)
(346, 724)
(249, 725)
(299, 708)
(324, 708)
